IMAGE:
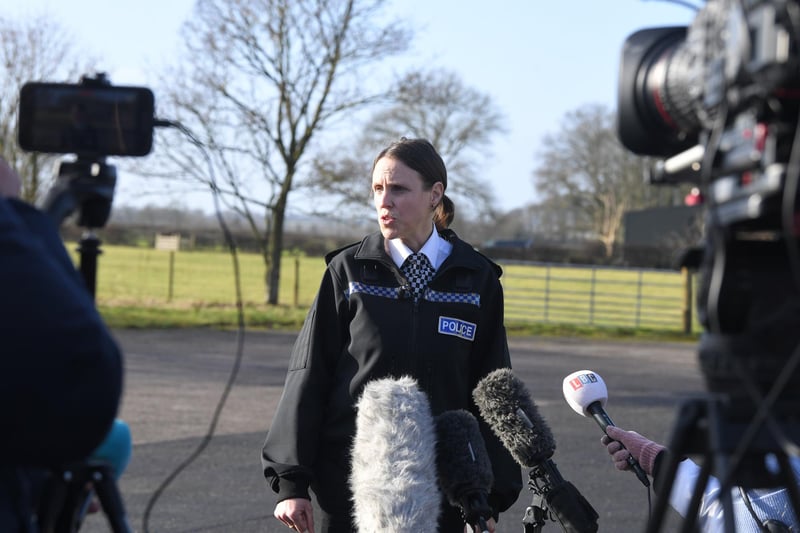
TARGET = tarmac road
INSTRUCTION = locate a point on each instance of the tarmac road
(176, 378)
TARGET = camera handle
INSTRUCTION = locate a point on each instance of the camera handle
(712, 427)
(85, 185)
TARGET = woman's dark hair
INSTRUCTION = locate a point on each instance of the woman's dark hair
(421, 156)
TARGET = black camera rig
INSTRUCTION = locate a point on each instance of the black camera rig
(91, 120)
(719, 104)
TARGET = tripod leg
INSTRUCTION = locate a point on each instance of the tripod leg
(690, 520)
(52, 502)
(723, 467)
(790, 482)
(110, 499)
(689, 415)
(71, 515)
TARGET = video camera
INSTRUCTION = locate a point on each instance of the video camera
(718, 102)
(721, 96)
(91, 119)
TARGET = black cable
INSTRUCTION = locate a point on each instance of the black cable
(240, 330)
(714, 227)
(792, 175)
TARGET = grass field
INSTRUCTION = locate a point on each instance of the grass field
(142, 287)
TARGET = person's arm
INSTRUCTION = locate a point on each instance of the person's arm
(60, 368)
(290, 448)
(641, 448)
(652, 456)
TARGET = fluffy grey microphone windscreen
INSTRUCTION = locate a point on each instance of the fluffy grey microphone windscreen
(393, 474)
(462, 460)
(505, 405)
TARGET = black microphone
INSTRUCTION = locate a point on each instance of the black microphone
(464, 467)
(586, 392)
(393, 460)
(507, 408)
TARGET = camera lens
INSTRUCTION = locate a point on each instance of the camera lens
(655, 113)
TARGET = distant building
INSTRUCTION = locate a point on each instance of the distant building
(508, 248)
(656, 237)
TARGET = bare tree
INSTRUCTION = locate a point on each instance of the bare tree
(261, 80)
(33, 49)
(460, 121)
(591, 179)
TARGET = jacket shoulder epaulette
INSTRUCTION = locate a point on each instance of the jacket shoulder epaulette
(330, 255)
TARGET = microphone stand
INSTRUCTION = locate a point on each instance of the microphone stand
(540, 480)
(557, 500)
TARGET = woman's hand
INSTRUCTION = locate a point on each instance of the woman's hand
(490, 527)
(296, 513)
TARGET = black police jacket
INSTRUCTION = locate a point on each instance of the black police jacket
(364, 325)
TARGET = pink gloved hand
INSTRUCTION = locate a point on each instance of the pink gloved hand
(642, 449)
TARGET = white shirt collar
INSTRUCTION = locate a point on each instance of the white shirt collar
(432, 248)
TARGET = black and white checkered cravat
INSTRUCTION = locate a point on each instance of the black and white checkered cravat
(418, 270)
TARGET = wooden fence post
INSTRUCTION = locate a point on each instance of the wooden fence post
(170, 242)
(687, 300)
(296, 281)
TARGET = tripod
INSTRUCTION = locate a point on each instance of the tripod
(747, 428)
(86, 186)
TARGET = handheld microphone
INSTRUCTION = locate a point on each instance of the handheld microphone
(586, 392)
(116, 448)
(507, 408)
(464, 467)
(393, 469)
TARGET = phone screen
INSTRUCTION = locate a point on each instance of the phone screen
(85, 119)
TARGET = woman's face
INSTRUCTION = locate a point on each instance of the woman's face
(405, 208)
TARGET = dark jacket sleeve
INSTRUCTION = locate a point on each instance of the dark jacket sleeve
(292, 441)
(61, 371)
(491, 353)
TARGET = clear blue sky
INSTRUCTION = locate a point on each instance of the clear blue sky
(538, 59)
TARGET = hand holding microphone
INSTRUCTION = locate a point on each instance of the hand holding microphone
(621, 445)
(586, 392)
